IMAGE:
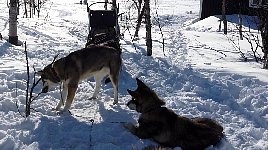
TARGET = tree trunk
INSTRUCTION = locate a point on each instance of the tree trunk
(38, 8)
(18, 8)
(34, 7)
(262, 14)
(141, 14)
(148, 27)
(25, 8)
(13, 37)
(139, 6)
(240, 22)
(224, 16)
(30, 8)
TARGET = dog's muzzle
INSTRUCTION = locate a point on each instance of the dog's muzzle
(132, 105)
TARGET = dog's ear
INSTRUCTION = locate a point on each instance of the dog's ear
(132, 93)
(141, 84)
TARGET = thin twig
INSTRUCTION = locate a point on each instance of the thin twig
(27, 110)
(19, 109)
(29, 92)
(160, 28)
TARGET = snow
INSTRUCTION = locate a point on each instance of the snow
(199, 74)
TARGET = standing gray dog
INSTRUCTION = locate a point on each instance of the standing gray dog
(94, 61)
(166, 127)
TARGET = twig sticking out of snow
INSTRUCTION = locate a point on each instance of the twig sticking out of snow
(29, 92)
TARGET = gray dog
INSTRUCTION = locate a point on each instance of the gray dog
(94, 61)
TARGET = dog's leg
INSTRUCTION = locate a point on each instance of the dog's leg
(72, 86)
(97, 88)
(115, 67)
(63, 96)
(114, 80)
(140, 131)
(98, 77)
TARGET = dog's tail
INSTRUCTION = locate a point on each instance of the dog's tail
(211, 124)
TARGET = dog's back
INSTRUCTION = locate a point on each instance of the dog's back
(80, 64)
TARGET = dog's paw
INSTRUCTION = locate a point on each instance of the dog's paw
(130, 127)
(65, 110)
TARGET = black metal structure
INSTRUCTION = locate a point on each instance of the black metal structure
(103, 25)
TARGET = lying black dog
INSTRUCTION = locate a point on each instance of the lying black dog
(166, 127)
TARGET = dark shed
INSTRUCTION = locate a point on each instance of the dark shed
(213, 7)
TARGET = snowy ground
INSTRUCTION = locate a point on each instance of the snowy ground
(200, 75)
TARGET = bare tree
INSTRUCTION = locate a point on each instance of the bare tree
(29, 97)
(32, 6)
(148, 27)
(13, 36)
(145, 12)
(262, 14)
(25, 8)
(224, 16)
(240, 21)
(13, 16)
(29, 92)
(252, 38)
(140, 16)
